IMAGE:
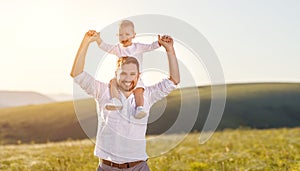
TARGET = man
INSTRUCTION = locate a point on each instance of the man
(120, 139)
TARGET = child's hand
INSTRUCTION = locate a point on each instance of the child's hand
(167, 42)
(91, 36)
(98, 39)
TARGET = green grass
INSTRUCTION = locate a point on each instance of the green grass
(240, 149)
(265, 105)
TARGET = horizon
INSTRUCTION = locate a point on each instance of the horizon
(205, 85)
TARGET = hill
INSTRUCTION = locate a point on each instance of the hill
(266, 105)
(257, 105)
(22, 98)
(61, 97)
(39, 123)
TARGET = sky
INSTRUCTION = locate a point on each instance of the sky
(255, 41)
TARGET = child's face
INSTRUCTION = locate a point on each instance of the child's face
(126, 34)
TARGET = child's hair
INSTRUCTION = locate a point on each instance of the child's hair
(125, 23)
(127, 60)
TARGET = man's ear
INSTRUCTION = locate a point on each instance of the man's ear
(116, 74)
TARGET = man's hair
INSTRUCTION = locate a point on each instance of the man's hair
(127, 60)
(125, 23)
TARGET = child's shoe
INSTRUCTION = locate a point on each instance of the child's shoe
(140, 112)
(115, 104)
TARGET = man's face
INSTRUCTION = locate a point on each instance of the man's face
(127, 76)
(126, 34)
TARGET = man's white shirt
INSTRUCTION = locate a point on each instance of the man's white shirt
(121, 137)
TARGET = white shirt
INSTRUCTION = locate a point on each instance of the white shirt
(135, 50)
(120, 137)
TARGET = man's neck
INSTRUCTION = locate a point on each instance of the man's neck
(126, 93)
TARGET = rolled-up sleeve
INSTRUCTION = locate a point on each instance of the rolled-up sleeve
(160, 90)
(91, 86)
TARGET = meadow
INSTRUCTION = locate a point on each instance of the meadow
(266, 105)
(49, 137)
(230, 149)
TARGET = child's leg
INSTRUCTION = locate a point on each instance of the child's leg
(139, 100)
(114, 93)
(139, 96)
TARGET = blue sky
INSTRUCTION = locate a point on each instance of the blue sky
(256, 41)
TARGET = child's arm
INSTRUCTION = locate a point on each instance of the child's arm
(141, 48)
(98, 39)
(114, 93)
(112, 49)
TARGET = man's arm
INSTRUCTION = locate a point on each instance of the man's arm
(79, 61)
(88, 83)
(163, 88)
(167, 42)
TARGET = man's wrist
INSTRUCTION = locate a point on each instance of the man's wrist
(170, 51)
(86, 40)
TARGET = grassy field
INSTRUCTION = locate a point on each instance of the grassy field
(29, 134)
(265, 105)
(240, 149)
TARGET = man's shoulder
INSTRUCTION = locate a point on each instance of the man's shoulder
(159, 90)
(86, 77)
(165, 83)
